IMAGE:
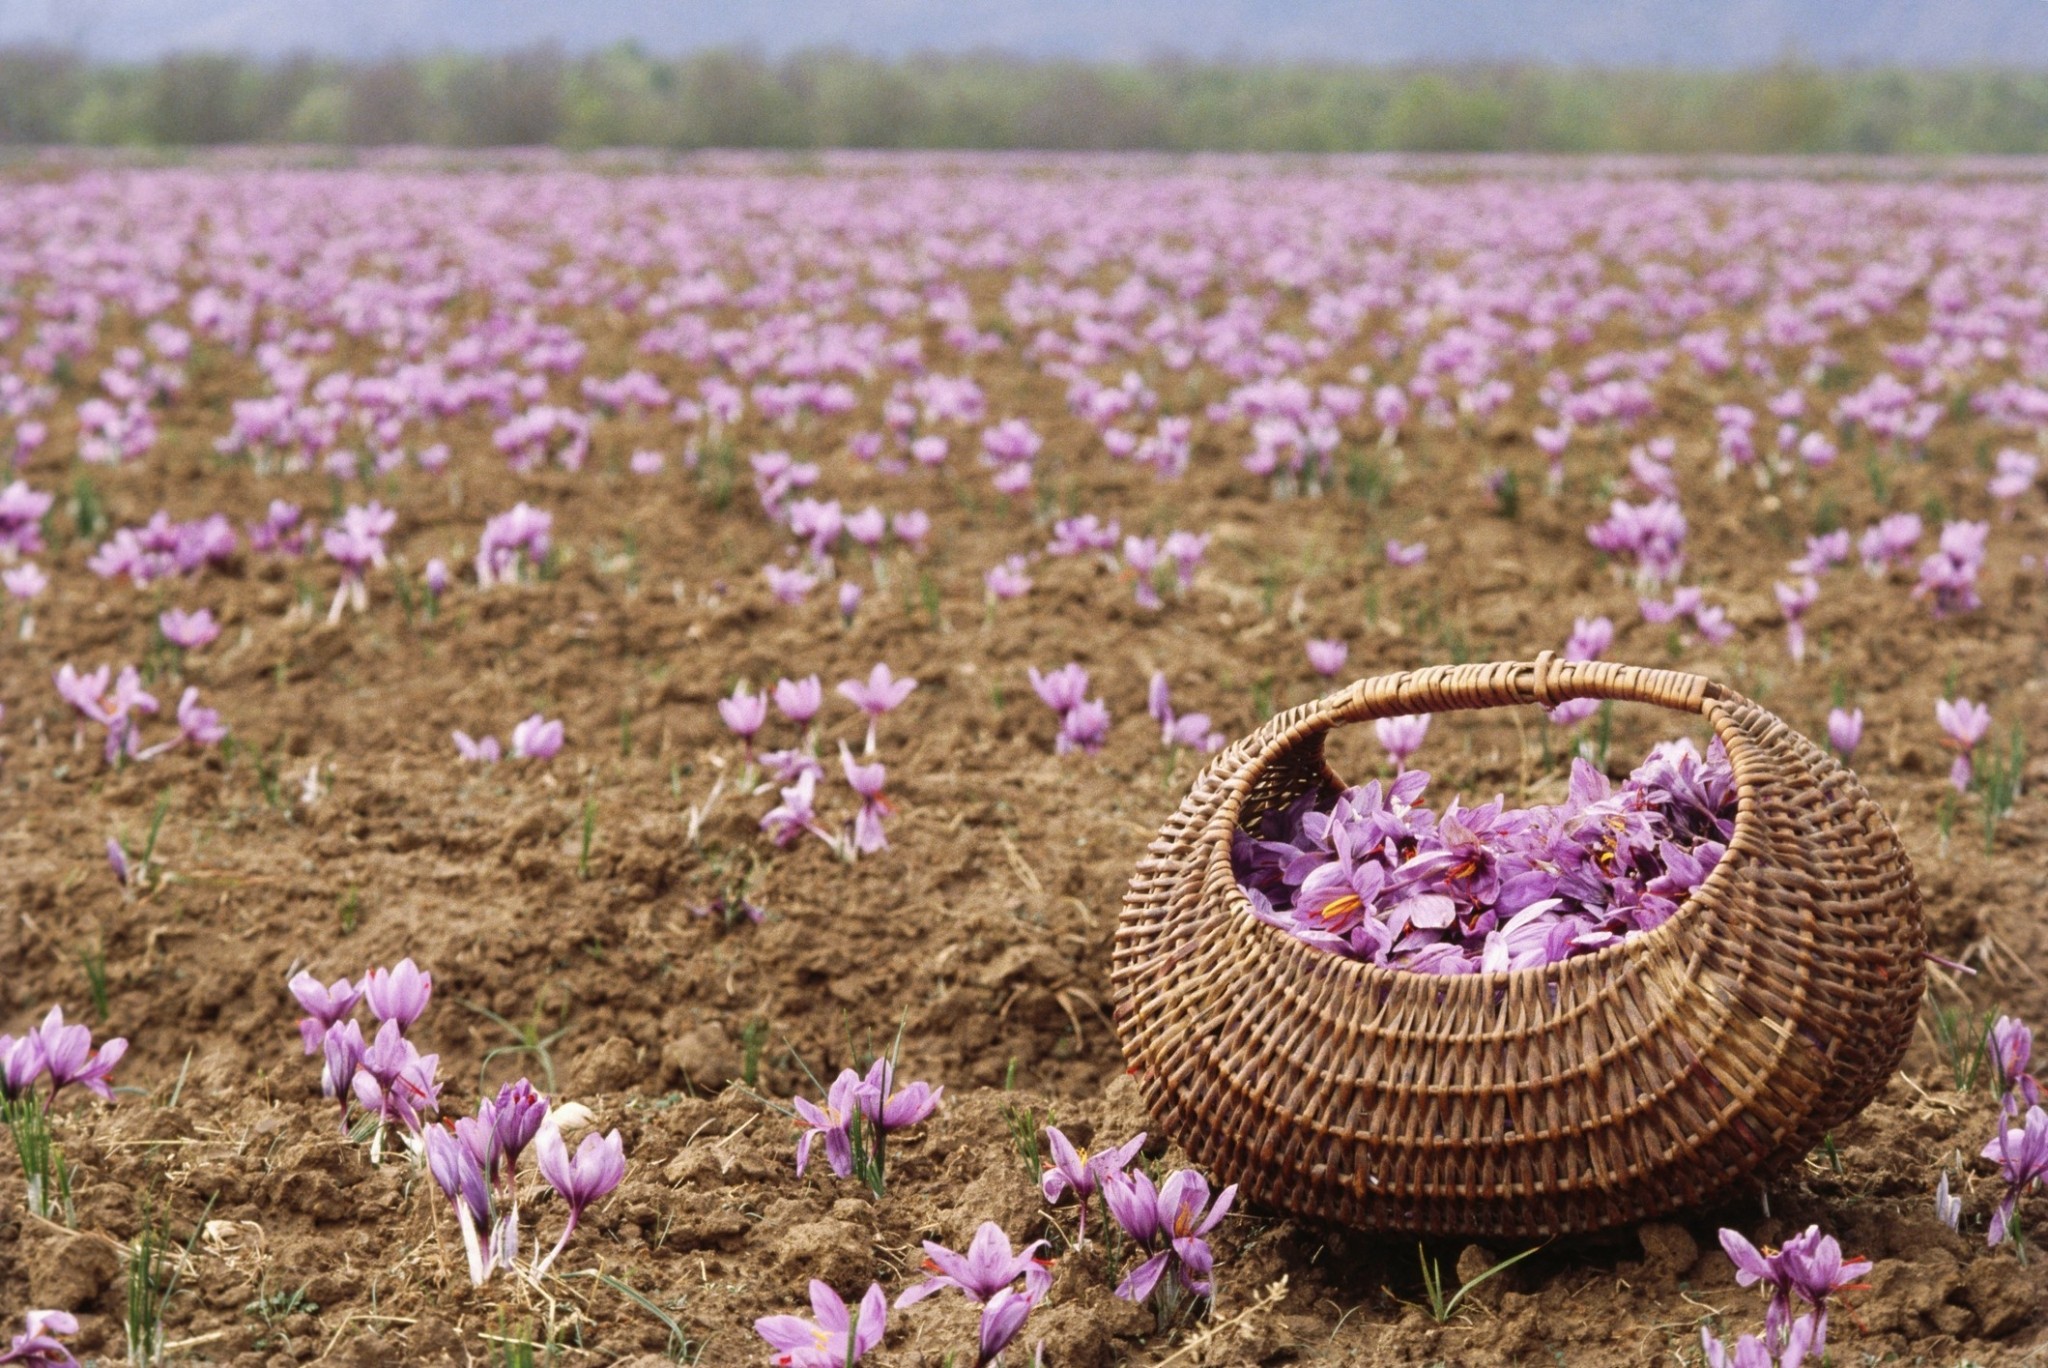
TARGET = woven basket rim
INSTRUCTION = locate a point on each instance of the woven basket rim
(1365, 974)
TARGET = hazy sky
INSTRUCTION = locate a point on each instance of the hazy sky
(1687, 32)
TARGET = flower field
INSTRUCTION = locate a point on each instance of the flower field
(586, 725)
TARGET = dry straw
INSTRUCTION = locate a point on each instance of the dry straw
(1658, 1074)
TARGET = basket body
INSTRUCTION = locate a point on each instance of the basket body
(1655, 1075)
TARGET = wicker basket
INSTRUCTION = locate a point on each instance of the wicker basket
(1654, 1075)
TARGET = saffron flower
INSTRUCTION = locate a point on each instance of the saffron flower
(2010, 1045)
(68, 1057)
(1083, 728)
(1809, 1267)
(1845, 731)
(1949, 576)
(1172, 1222)
(1948, 1208)
(1002, 1320)
(37, 1346)
(325, 1006)
(834, 1337)
(788, 820)
(537, 738)
(866, 780)
(1007, 580)
(798, 699)
(1794, 600)
(1405, 555)
(341, 1054)
(21, 1065)
(833, 1122)
(883, 693)
(1076, 1171)
(2021, 1153)
(1401, 737)
(396, 1083)
(1965, 724)
(1326, 656)
(744, 713)
(188, 631)
(987, 1268)
(460, 1175)
(582, 1179)
(484, 752)
(399, 994)
(1063, 689)
(197, 726)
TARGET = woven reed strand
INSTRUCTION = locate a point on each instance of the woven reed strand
(1655, 1075)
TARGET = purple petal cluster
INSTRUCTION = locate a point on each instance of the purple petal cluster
(1084, 721)
(60, 1054)
(1170, 1222)
(1807, 1269)
(1374, 876)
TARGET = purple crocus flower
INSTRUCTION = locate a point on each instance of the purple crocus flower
(188, 631)
(117, 860)
(834, 1337)
(866, 780)
(1063, 689)
(797, 813)
(399, 993)
(1845, 730)
(21, 1064)
(1808, 1266)
(198, 726)
(850, 595)
(1948, 1208)
(1084, 728)
(325, 1004)
(1403, 556)
(2021, 1153)
(69, 1057)
(796, 699)
(1326, 656)
(882, 693)
(1965, 724)
(2010, 1043)
(484, 752)
(1401, 737)
(598, 1166)
(537, 738)
(1002, 1320)
(510, 1121)
(436, 577)
(1075, 1170)
(395, 1082)
(987, 1268)
(341, 1051)
(1180, 1215)
(889, 1108)
(744, 713)
(833, 1121)
(1007, 579)
(37, 1346)
(461, 1177)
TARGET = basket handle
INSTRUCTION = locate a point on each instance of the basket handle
(1546, 681)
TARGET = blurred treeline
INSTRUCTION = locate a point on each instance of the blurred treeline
(624, 97)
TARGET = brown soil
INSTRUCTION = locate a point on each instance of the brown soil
(983, 932)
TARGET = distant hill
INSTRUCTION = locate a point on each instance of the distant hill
(1692, 33)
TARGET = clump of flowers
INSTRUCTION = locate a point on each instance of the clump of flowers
(987, 1275)
(1374, 876)
(1949, 576)
(57, 1054)
(859, 1114)
(1170, 1222)
(513, 544)
(1084, 721)
(1963, 725)
(1808, 1269)
(1085, 1175)
(118, 703)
